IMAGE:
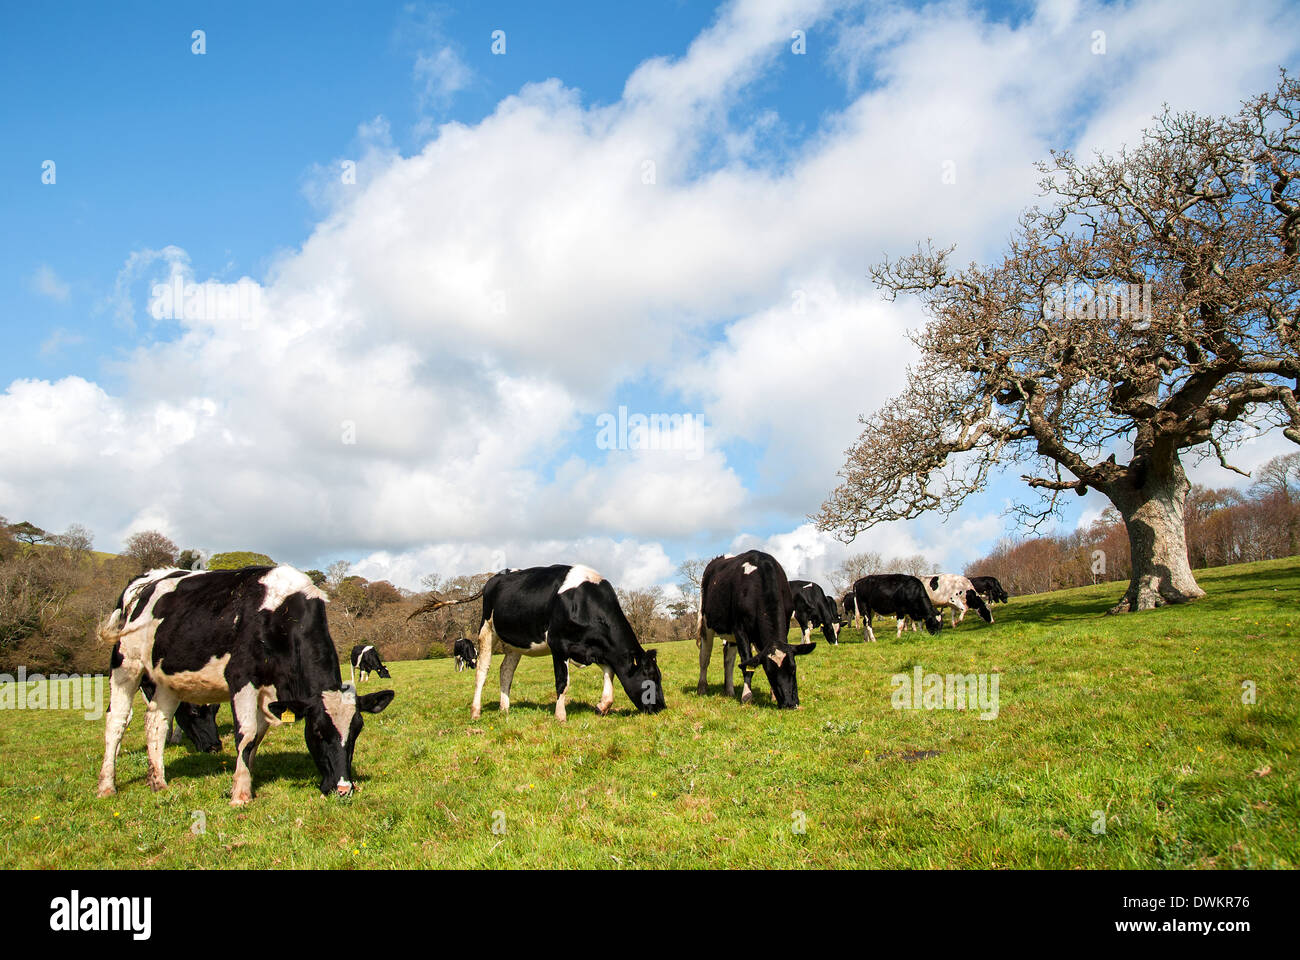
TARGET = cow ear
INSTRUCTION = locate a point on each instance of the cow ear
(753, 661)
(375, 702)
(803, 648)
(652, 656)
(295, 709)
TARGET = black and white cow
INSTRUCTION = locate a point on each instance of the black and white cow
(465, 654)
(570, 613)
(958, 594)
(990, 589)
(256, 636)
(898, 593)
(849, 605)
(748, 598)
(812, 608)
(365, 661)
(199, 723)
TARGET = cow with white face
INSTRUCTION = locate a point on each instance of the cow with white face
(257, 637)
(571, 614)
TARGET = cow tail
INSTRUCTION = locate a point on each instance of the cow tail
(436, 604)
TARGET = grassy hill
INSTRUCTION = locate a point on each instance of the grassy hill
(1134, 721)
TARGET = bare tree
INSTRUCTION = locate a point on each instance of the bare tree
(690, 572)
(852, 569)
(1151, 308)
(640, 607)
(1278, 479)
(336, 572)
(150, 550)
(76, 539)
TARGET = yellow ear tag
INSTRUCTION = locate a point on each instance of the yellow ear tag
(288, 716)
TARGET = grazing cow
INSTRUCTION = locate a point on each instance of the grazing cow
(365, 660)
(990, 589)
(957, 594)
(570, 613)
(199, 723)
(898, 593)
(812, 608)
(850, 607)
(465, 654)
(257, 636)
(748, 598)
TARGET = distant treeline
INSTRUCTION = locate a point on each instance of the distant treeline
(1224, 526)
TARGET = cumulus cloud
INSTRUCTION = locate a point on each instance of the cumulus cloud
(418, 384)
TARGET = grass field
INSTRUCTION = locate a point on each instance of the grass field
(1140, 717)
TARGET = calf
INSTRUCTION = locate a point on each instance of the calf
(257, 636)
(850, 607)
(990, 589)
(812, 608)
(570, 613)
(898, 593)
(957, 594)
(365, 660)
(748, 598)
(464, 653)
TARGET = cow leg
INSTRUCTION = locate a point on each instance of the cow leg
(161, 710)
(871, 634)
(706, 654)
(805, 625)
(486, 634)
(561, 685)
(743, 647)
(250, 727)
(901, 624)
(174, 733)
(508, 663)
(729, 668)
(607, 694)
(123, 683)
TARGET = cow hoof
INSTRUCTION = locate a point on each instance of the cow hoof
(103, 792)
(474, 714)
(241, 800)
(156, 783)
(701, 690)
(603, 709)
(746, 697)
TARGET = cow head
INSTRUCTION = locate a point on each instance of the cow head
(975, 602)
(200, 725)
(933, 619)
(383, 672)
(644, 684)
(331, 725)
(778, 663)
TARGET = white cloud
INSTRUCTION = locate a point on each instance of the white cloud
(47, 283)
(463, 313)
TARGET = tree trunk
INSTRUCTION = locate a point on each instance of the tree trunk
(1157, 536)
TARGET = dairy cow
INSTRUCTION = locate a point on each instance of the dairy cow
(990, 589)
(465, 654)
(812, 608)
(898, 593)
(570, 613)
(748, 598)
(958, 594)
(256, 636)
(365, 661)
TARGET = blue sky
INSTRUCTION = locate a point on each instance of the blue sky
(778, 178)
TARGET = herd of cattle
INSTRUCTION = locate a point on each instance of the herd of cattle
(259, 639)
